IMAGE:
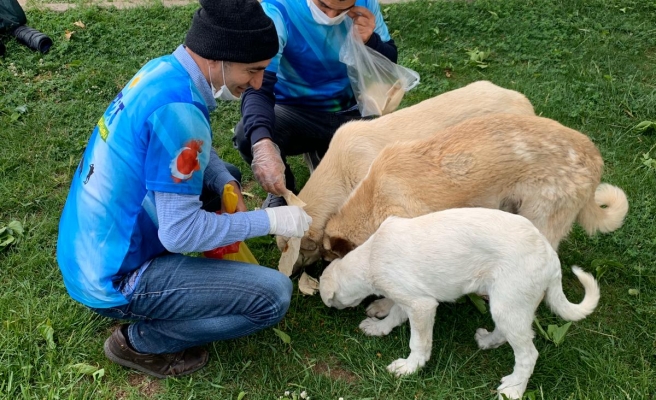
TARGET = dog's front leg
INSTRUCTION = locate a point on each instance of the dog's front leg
(381, 327)
(421, 314)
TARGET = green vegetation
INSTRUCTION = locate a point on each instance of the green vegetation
(590, 64)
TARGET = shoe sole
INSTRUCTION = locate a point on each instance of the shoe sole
(138, 367)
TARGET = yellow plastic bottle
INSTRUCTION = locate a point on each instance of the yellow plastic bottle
(244, 254)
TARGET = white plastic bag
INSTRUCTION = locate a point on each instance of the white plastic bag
(378, 83)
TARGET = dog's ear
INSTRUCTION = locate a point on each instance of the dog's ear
(341, 246)
(327, 289)
(326, 253)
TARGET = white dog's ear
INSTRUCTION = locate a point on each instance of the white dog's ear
(327, 289)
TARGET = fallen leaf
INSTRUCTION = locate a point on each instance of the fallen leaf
(283, 336)
(308, 285)
(79, 24)
(478, 301)
(68, 34)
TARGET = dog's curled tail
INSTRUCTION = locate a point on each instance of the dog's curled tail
(595, 217)
(568, 311)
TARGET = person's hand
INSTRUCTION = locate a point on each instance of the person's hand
(288, 221)
(268, 168)
(364, 21)
(241, 205)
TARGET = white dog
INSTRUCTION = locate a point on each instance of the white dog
(419, 262)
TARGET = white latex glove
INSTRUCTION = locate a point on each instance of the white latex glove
(268, 167)
(288, 221)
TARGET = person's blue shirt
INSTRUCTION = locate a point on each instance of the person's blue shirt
(154, 137)
(306, 72)
(307, 65)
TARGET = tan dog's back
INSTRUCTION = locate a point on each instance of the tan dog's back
(356, 144)
(526, 165)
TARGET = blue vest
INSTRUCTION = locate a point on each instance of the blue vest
(154, 136)
(307, 64)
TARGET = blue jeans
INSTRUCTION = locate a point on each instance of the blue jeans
(181, 302)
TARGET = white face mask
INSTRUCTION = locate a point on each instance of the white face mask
(223, 93)
(321, 18)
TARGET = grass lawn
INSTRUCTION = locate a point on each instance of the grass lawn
(590, 64)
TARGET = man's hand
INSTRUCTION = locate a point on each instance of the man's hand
(288, 221)
(268, 167)
(364, 21)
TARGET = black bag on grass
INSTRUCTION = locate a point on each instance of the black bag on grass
(13, 20)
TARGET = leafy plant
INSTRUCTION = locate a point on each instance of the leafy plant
(554, 333)
(601, 266)
(48, 334)
(18, 113)
(283, 336)
(648, 162)
(646, 127)
(478, 58)
(585, 64)
(88, 369)
(12, 233)
(478, 302)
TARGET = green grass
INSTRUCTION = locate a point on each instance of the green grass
(589, 64)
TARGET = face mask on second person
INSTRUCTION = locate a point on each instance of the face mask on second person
(321, 18)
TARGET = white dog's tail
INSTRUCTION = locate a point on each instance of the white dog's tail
(593, 217)
(569, 311)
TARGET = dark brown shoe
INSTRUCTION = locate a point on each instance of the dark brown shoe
(158, 365)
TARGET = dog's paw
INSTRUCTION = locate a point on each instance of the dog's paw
(510, 393)
(402, 366)
(374, 327)
(488, 340)
(380, 308)
(512, 387)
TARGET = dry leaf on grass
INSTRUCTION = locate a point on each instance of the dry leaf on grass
(79, 24)
(308, 285)
(68, 34)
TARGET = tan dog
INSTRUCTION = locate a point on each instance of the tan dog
(419, 262)
(527, 165)
(356, 144)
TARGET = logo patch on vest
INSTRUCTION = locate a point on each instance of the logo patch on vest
(185, 162)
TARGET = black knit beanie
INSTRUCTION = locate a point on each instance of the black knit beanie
(232, 30)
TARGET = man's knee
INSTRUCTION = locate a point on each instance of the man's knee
(279, 293)
(241, 143)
